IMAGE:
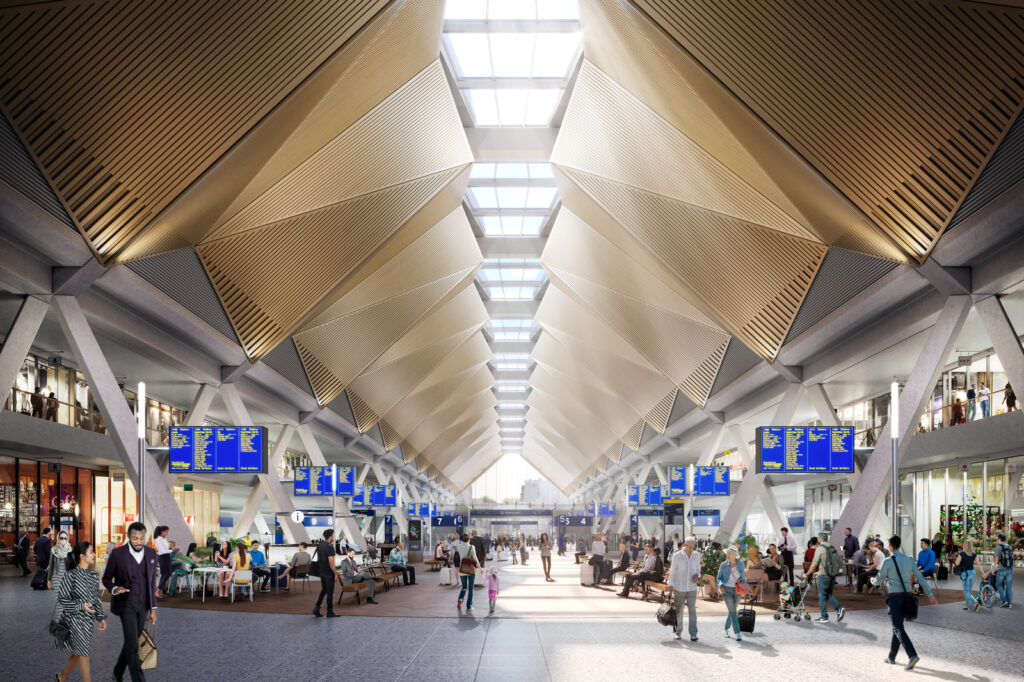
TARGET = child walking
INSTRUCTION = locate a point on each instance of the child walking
(492, 586)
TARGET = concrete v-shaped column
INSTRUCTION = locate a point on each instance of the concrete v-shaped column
(269, 483)
(875, 479)
(753, 482)
(767, 497)
(251, 510)
(344, 522)
(121, 423)
(1004, 342)
(19, 341)
(827, 414)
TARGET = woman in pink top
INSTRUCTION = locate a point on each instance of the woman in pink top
(492, 586)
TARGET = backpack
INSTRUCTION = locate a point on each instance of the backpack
(1005, 556)
(833, 564)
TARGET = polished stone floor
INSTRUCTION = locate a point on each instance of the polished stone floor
(563, 645)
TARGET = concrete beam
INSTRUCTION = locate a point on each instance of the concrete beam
(74, 281)
(1004, 339)
(19, 340)
(950, 281)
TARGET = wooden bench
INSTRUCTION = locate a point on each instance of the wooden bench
(434, 564)
(385, 574)
(663, 588)
(354, 587)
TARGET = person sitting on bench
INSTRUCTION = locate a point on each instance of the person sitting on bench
(652, 570)
(397, 559)
(351, 574)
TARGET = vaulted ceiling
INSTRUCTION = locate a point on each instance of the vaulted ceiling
(711, 156)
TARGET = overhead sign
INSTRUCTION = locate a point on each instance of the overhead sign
(606, 509)
(711, 481)
(420, 510)
(804, 449)
(297, 516)
(677, 480)
(706, 518)
(651, 496)
(346, 484)
(313, 482)
(390, 496)
(578, 521)
(218, 450)
(509, 513)
(360, 497)
(634, 496)
(452, 521)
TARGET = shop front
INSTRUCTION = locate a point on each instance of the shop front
(200, 504)
(117, 505)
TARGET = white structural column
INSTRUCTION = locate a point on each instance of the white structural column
(875, 478)
(827, 414)
(767, 497)
(19, 341)
(344, 522)
(120, 421)
(251, 510)
(753, 482)
(280, 500)
(1004, 341)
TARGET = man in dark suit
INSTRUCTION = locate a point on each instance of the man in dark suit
(130, 577)
(21, 554)
(42, 549)
(478, 546)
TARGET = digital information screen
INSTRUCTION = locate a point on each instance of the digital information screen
(711, 481)
(346, 481)
(634, 496)
(804, 449)
(652, 495)
(677, 480)
(313, 482)
(606, 509)
(420, 510)
(361, 497)
(218, 450)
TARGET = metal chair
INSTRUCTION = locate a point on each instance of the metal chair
(302, 574)
(243, 581)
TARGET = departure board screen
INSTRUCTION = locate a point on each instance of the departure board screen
(711, 481)
(218, 450)
(346, 484)
(652, 495)
(804, 449)
(677, 478)
(634, 496)
(313, 481)
(606, 509)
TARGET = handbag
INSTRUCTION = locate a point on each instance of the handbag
(59, 629)
(314, 567)
(147, 649)
(666, 614)
(742, 588)
(467, 566)
(909, 606)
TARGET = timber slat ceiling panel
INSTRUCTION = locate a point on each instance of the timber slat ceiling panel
(773, 270)
(19, 170)
(633, 436)
(1004, 171)
(366, 418)
(738, 361)
(899, 103)
(153, 95)
(270, 277)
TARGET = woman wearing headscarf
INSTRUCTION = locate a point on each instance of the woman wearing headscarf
(58, 561)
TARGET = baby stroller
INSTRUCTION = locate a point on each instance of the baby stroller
(791, 602)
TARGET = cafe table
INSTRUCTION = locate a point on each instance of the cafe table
(205, 572)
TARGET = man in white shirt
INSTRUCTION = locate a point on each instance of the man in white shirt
(163, 557)
(684, 576)
(597, 551)
(983, 394)
(877, 557)
(787, 545)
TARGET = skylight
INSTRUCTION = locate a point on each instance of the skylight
(512, 386)
(512, 336)
(513, 107)
(508, 419)
(511, 405)
(512, 366)
(512, 293)
(511, 356)
(513, 55)
(512, 323)
(511, 171)
(525, 10)
(512, 270)
(511, 225)
(512, 198)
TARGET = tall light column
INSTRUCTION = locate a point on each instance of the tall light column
(894, 432)
(140, 413)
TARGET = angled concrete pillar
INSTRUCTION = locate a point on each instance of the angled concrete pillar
(121, 423)
(767, 497)
(1005, 342)
(659, 471)
(251, 509)
(875, 479)
(200, 405)
(753, 482)
(827, 414)
(344, 522)
(19, 340)
(361, 476)
(280, 500)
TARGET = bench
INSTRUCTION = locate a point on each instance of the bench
(663, 588)
(434, 564)
(354, 587)
(385, 574)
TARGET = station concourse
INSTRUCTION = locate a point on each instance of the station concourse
(462, 339)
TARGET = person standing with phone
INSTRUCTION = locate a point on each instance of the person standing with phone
(130, 577)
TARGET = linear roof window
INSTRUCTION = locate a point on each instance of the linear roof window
(511, 405)
(512, 336)
(513, 55)
(512, 293)
(512, 420)
(511, 356)
(512, 366)
(511, 225)
(512, 270)
(513, 106)
(506, 170)
(521, 10)
(512, 386)
(512, 323)
(512, 198)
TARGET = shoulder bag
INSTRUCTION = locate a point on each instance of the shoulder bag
(741, 587)
(467, 566)
(667, 612)
(909, 606)
(59, 629)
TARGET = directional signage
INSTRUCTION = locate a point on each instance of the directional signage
(705, 518)
(578, 521)
(359, 497)
(313, 481)
(389, 528)
(651, 496)
(390, 496)
(678, 477)
(711, 481)
(606, 509)
(218, 450)
(452, 521)
(804, 449)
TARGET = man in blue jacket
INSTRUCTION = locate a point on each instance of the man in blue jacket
(926, 559)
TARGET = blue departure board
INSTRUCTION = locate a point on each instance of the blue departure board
(634, 496)
(346, 481)
(218, 450)
(652, 495)
(313, 482)
(606, 509)
(804, 449)
(390, 496)
(677, 478)
(711, 481)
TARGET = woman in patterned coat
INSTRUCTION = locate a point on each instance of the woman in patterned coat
(79, 601)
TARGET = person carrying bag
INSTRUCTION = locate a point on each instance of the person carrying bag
(902, 604)
(467, 572)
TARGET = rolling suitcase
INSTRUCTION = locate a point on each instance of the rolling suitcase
(746, 617)
(39, 580)
(943, 573)
(586, 574)
(445, 577)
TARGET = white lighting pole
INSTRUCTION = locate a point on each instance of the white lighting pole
(894, 434)
(140, 412)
